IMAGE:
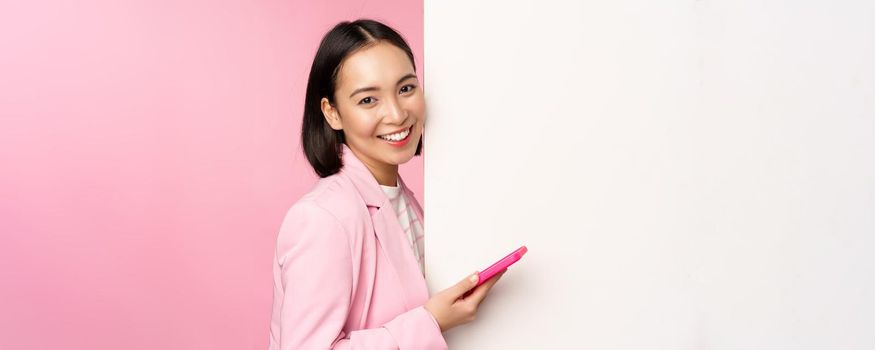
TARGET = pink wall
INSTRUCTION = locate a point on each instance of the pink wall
(149, 151)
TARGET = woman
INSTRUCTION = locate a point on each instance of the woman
(348, 270)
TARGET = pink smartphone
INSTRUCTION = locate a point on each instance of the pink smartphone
(502, 264)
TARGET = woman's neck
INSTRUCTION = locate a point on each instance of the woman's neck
(385, 174)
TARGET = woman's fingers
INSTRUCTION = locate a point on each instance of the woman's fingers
(450, 309)
(456, 291)
(479, 293)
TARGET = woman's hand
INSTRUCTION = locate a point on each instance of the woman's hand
(451, 307)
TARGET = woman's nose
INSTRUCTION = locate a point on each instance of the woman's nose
(394, 112)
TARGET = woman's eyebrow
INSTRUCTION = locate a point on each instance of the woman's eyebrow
(373, 88)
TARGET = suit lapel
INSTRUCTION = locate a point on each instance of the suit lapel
(387, 229)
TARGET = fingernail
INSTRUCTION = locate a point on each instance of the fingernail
(473, 277)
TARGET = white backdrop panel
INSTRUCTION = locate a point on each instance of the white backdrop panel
(686, 174)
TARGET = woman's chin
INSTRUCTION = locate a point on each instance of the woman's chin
(400, 159)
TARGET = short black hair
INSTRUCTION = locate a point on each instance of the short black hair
(323, 145)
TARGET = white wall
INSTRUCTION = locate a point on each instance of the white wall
(686, 174)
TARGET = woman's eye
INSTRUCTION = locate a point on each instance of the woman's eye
(411, 87)
(366, 100)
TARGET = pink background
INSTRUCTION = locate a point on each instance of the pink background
(149, 150)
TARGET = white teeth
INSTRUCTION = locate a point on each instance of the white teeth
(397, 136)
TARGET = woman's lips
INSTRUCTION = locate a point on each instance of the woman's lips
(399, 143)
(397, 131)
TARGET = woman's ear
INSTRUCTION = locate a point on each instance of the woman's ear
(331, 115)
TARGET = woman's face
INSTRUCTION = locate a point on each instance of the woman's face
(379, 105)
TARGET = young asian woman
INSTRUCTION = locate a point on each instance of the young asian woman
(348, 268)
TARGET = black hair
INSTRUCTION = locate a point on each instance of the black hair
(322, 144)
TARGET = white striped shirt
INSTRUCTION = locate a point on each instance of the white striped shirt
(411, 225)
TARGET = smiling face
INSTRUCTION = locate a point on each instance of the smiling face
(380, 107)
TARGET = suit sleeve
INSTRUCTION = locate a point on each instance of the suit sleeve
(313, 253)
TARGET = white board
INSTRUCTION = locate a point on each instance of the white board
(686, 174)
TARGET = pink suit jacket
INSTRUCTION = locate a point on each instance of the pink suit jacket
(345, 276)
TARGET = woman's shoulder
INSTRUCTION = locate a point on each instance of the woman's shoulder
(335, 195)
(331, 211)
